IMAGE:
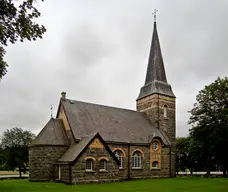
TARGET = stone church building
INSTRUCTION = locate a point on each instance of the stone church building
(89, 143)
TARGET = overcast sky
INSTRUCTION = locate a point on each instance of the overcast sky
(97, 51)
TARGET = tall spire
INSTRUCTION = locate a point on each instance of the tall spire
(156, 81)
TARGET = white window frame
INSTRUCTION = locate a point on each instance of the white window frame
(104, 166)
(119, 156)
(89, 167)
(137, 160)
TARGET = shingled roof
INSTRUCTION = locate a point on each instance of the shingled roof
(156, 81)
(73, 152)
(53, 133)
(76, 150)
(113, 124)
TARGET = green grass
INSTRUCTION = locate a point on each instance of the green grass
(150, 185)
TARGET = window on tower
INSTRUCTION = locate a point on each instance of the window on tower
(165, 111)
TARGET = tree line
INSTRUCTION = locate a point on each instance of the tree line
(206, 147)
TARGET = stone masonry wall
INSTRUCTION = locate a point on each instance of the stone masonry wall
(65, 173)
(41, 161)
(79, 174)
(123, 172)
(145, 171)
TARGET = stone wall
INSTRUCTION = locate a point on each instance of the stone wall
(65, 173)
(113, 173)
(79, 174)
(41, 162)
(123, 172)
(145, 171)
(42, 168)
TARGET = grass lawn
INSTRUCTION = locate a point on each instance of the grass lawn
(150, 185)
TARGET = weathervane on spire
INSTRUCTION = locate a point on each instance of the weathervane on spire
(154, 13)
(51, 111)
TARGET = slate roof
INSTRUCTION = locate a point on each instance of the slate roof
(53, 133)
(156, 81)
(113, 124)
(76, 150)
(73, 152)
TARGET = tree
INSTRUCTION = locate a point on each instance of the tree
(15, 144)
(2, 156)
(188, 154)
(17, 22)
(209, 119)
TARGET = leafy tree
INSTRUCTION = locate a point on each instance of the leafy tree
(188, 154)
(15, 144)
(17, 22)
(2, 156)
(209, 119)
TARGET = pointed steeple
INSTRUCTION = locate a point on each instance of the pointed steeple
(156, 81)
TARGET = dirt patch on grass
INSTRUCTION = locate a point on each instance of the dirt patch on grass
(9, 173)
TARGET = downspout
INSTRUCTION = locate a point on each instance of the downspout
(70, 178)
(128, 161)
(170, 162)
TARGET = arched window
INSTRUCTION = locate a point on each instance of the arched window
(103, 165)
(89, 165)
(165, 111)
(119, 156)
(136, 159)
(155, 164)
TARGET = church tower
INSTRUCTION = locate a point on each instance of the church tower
(156, 97)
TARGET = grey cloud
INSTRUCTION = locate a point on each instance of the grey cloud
(84, 46)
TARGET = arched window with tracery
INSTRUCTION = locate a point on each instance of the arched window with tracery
(89, 165)
(136, 159)
(165, 111)
(119, 156)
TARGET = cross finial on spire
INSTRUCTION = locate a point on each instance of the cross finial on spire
(154, 13)
(51, 111)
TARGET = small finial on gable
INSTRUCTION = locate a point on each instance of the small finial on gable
(63, 95)
(51, 111)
